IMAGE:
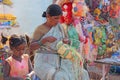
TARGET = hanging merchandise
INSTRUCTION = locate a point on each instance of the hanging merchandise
(79, 8)
(88, 27)
(7, 17)
(79, 30)
(100, 39)
(67, 13)
(97, 36)
(7, 2)
(102, 50)
(104, 35)
(106, 8)
(113, 13)
(105, 12)
(95, 4)
(74, 37)
(114, 10)
(7, 20)
(68, 52)
(106, 2)
(97, 13)
(100, 5)
(111, 44)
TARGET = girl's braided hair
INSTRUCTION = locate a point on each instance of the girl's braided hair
(14, 40)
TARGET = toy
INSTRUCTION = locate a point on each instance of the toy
(97, 13)
(79, 8)
(114, 10)
(67, 13)
(111, 44)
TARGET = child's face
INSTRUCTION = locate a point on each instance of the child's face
(18, 51)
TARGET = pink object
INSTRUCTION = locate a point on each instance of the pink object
(19, 69)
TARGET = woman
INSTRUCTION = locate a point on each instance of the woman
(48, 65)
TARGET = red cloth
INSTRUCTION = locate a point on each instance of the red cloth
(67, 13)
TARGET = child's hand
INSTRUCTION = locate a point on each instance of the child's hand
(31, 74)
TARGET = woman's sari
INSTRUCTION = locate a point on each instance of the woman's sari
(48, 65)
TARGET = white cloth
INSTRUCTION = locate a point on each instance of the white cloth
(47, 63)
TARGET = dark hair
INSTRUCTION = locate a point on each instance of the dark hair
(15, 41)
(53, 10)
(4, 39)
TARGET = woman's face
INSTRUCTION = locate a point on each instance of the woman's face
(18, 51)
(53, 20)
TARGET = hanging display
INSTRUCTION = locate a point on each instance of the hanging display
(7, 20)
(7, 2)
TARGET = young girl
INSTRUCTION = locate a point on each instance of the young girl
(18, 65)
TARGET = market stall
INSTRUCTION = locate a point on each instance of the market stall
(98, 25)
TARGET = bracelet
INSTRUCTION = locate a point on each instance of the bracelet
(40, 43)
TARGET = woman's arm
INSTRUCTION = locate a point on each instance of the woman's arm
(6, 72)
(38, 41)
(38, 33)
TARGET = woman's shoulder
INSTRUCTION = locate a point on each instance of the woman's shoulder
(39, 29)
(40, 26)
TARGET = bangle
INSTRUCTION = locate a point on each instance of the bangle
(40, 43)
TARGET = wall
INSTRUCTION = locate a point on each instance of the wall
(28, 13)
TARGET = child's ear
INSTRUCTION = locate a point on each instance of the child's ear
(4, 39)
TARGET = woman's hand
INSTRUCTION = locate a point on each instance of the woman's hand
(33, 46)
(49, 39)
(66, 41)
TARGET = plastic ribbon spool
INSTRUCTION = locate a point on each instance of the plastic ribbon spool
(67, 52)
